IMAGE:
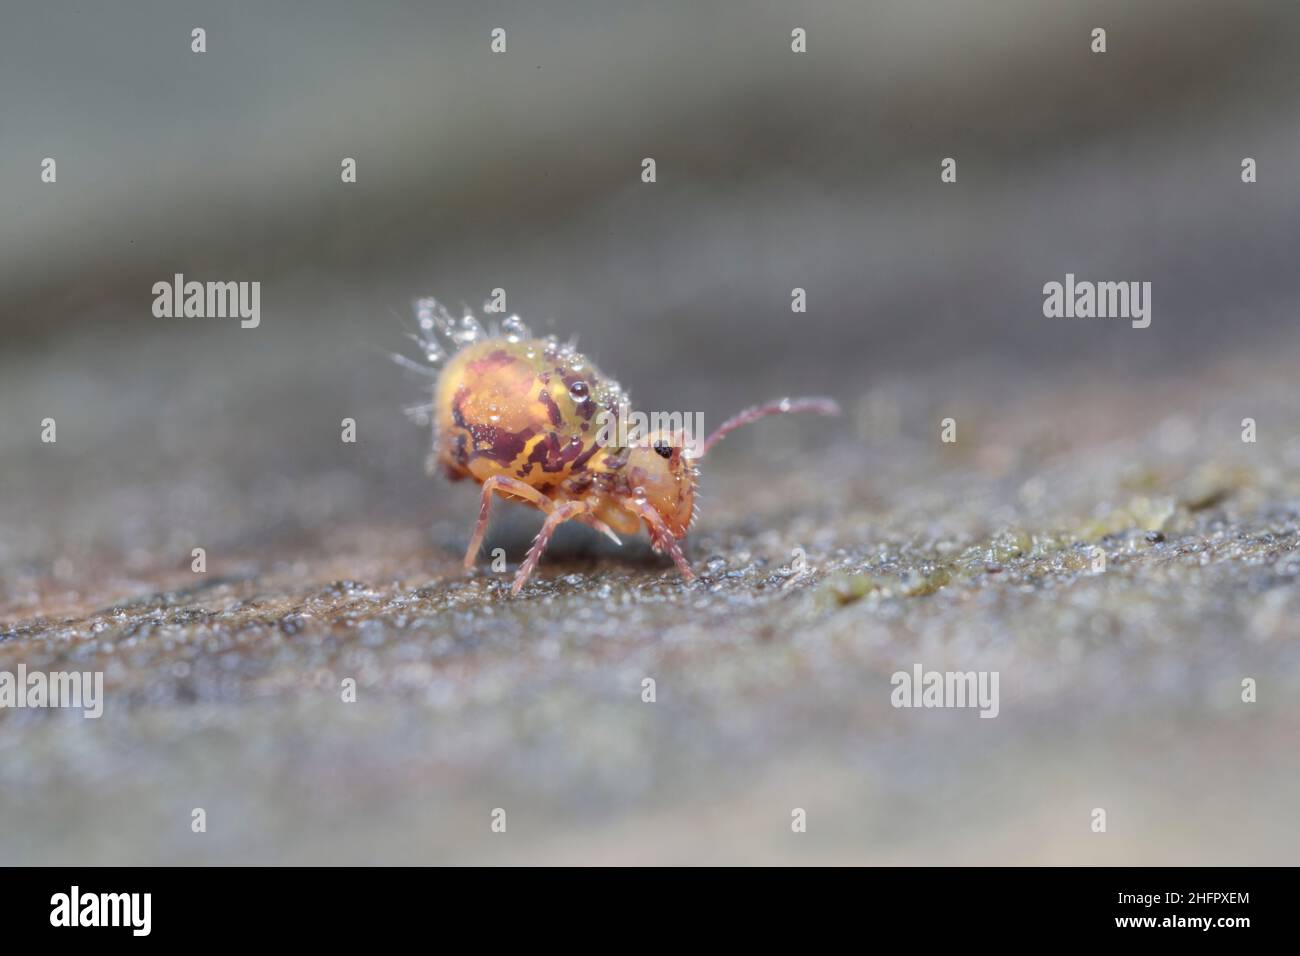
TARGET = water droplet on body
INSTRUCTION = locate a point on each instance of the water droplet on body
(469, 332)
(514, 329)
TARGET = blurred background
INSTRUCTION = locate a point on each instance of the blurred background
(775, 170)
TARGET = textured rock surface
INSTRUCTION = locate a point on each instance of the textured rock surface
(1119, 689)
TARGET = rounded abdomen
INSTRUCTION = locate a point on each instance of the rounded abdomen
(528, 409)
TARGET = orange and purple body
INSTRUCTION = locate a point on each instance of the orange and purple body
(529, 419)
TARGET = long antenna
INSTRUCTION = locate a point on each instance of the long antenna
(820, 406)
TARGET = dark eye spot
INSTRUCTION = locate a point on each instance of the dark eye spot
(579, 391)
(663, 449)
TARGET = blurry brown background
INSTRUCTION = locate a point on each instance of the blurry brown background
(775, 170)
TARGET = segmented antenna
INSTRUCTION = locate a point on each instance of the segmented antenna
(819, 406)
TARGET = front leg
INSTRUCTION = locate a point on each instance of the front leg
(662, 537)
(559, 514)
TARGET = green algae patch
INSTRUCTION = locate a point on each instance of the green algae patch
(1010, 544)
(924, 583)
(1141, 513)
(846, 587)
